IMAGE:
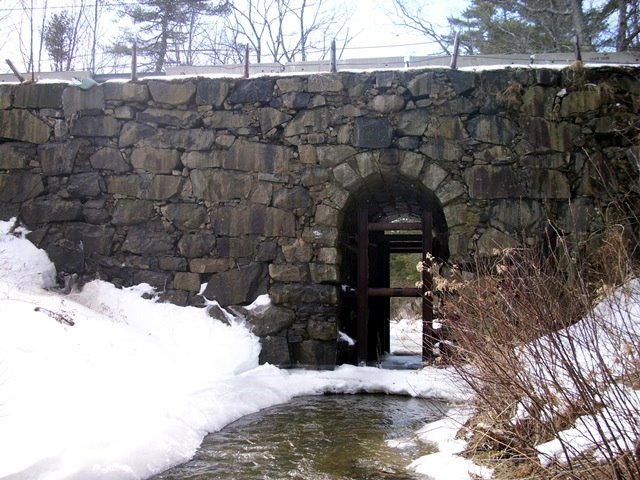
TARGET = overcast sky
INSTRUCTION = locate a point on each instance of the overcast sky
(371, 27)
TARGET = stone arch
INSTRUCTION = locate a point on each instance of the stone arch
(390, 195)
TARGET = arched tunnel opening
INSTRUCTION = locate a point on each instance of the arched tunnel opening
(385, 218)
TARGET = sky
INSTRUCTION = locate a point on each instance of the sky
(374, 33)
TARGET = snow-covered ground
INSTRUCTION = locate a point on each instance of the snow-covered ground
(104, 384)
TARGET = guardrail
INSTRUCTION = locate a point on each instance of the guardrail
(390, 63)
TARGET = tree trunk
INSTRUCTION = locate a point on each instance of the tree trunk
(621, 38)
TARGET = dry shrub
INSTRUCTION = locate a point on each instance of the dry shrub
(521, 326)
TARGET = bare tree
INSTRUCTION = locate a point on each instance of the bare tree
(287, 30)
(415, 17)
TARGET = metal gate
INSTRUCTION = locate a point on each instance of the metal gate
(374, 249)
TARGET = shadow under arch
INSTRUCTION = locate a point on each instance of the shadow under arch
(387, 199)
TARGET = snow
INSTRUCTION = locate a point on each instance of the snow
(105, 384)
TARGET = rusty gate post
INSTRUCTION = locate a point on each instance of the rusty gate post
(427, 287)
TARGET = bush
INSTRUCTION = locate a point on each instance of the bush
(549, 341)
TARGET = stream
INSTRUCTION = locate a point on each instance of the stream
(331, 437)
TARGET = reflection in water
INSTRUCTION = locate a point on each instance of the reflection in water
(318, 438)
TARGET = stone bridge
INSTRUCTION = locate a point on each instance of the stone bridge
(243, 187)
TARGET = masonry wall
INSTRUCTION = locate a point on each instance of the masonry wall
(242, 184)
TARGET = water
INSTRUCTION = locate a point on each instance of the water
(316, 438)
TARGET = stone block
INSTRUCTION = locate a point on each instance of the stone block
(185, 216)
(187, 281)
(6, 96)
(492, 129)
(210, 265)
(253, 90)
(128, 92)
(292, 198)
(38, 95)
(462, 82)
(413, 122)
(58, 158)
(433, 176)
(24, 126)
(109, 158)
(95, 238)
(299, 293)
(492, 241)
(174, 264)
(256, 157)
(346, 176)
(387, 103)
(96, 126)
(315, 354)
(127, 185)
(274, 351)
(75, 99)
(20, 186)
(193, 245)
(194, 160)
(543, 134)
(16, 155)
(143, 240)
(332, 155)
(411, 164)
(324, 330)
(270, 118)
(85, 185)
(193, 139)
(298, 251)
(372, 133)
(171, 93)
(134, 132)
(580, 101)
(132, 212)
(492, 182)
(324, 82)
(314, 176)
(46, 210)
(324, 273)
(155, 160)
(162, 187)
(288, 272)
(171, 118)
(212, 92)
(218, 185)
(237, 286)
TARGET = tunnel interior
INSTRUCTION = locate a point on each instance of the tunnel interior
(393, 210)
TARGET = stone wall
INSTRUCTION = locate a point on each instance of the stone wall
(243, 184)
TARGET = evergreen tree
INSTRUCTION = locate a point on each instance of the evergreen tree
(163, 26)
(528, 26)
(58, 40)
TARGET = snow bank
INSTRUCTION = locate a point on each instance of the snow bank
(103, 384)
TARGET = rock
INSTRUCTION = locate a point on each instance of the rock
(38, 95)
(185, 216)
(98, 126)
(254, 90)
(132, 212)
(20, 186)
(193, 245)
(171, 93)
(237, 286)
(109, 159)
(155, 160)
(16, 155)
(23, 126)
(186, 281)
(212, 92)
(75, 99)
(269, 319)
(372, 133)
(127, 92)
